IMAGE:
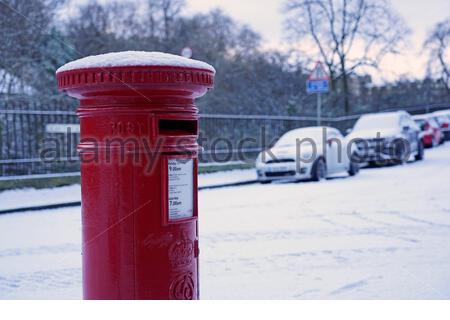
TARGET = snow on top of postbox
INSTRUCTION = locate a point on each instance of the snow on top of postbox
(135, 58)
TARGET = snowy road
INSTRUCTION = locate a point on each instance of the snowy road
(383, 234)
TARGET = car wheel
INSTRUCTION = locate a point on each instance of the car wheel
(319, 170)
(353, 168)
(420, 152)
(400, 152)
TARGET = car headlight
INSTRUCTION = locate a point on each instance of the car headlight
(361, 144)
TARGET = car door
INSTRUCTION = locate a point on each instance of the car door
(343, 158)
(333, 150)
(413, 133)
(410, 132)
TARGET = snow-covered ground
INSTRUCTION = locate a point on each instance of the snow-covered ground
(382, 234)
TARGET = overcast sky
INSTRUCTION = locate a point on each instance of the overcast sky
(265, 17)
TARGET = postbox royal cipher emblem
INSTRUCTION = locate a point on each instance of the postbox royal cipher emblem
(181, 253)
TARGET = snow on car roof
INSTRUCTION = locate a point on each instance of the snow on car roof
(379, 120)
(135, 58)
(422, 116)
(442, 113)
(307, 130)
(314, 133)
(381, 115)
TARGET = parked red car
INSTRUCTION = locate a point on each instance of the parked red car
(431, 130)
(443, 118)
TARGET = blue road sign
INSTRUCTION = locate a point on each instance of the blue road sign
(317, 86)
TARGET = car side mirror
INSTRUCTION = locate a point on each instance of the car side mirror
(348, 130)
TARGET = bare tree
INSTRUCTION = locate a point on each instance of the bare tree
(214, 37)
(101, 28)
(23, 25)
(162, 15)
(438, 47)
(348, 34)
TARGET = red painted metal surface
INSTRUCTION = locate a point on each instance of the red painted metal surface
(133, 121)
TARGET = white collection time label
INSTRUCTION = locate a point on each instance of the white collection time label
(181, 189)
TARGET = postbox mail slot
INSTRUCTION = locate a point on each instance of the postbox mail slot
(172, 127)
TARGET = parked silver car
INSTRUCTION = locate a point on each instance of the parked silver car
(390, 137)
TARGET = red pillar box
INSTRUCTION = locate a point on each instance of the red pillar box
(138, 150)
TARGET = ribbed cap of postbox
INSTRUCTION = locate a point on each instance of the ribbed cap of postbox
(134, 67)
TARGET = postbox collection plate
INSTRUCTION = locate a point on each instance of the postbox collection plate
(180, 178)
(179, 185)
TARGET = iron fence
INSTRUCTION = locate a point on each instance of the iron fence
(226, 139)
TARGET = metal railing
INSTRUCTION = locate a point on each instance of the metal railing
(226, 139)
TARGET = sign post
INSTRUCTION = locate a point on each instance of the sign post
(319, 108)
(318, 82)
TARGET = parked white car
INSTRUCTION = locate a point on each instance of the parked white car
(387, 137)
(311, 153)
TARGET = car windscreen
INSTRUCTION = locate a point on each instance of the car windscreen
(433, 122)
(377, 122)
